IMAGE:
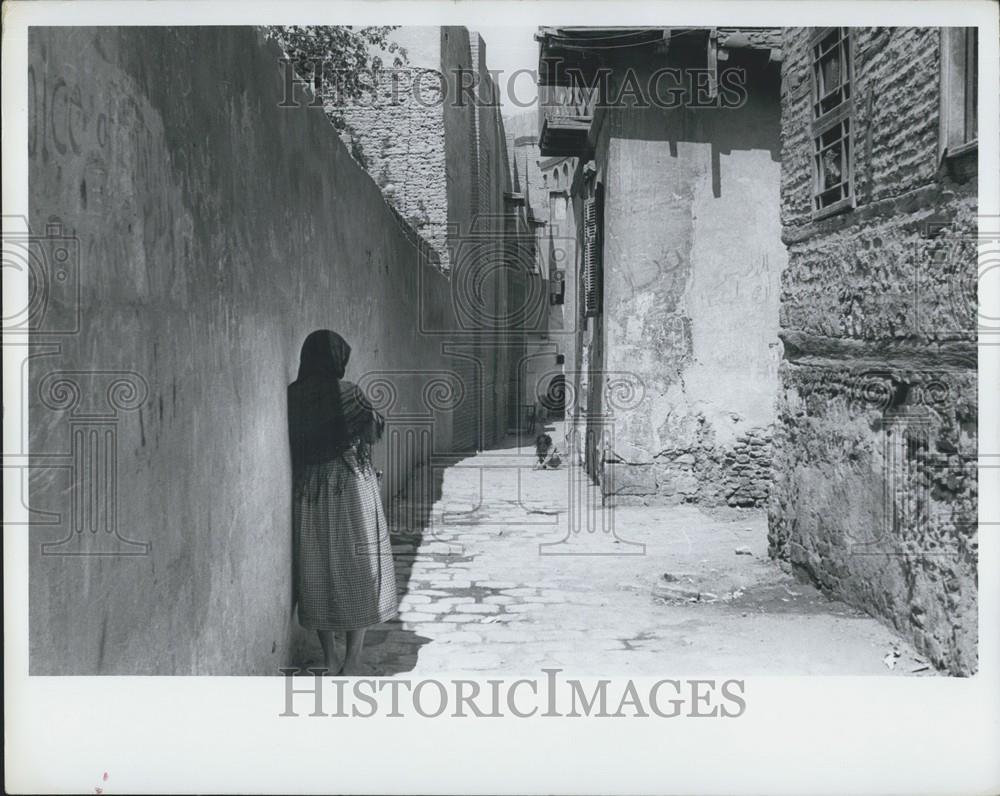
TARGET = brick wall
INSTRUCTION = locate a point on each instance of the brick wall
(874, 491)
(401, 134)
(435, 143)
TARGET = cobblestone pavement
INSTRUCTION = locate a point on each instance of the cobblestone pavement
(498, 583)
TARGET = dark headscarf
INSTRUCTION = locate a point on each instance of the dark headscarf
(324, 355)
(326, 414)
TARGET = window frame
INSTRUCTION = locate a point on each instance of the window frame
(953, 140)
(822, 122)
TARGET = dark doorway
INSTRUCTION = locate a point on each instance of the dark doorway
(555, 398)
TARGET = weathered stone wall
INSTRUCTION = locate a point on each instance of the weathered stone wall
(706, 472)
(692, 256)
(400, 130)
(558, 249)
(433, 139)
(457, 184)
(875, 441)
(522, 142)
(215, 231)
(522, 300)
(485, 249)
(552, 246)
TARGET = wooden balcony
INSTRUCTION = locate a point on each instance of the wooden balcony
(567, 112)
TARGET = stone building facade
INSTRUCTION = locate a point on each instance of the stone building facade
(675, 351)
(405, 126)
(777, 296)
(558, 246)
(541, 188)
(876, 436)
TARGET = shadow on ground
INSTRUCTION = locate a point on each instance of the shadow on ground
(495, 579)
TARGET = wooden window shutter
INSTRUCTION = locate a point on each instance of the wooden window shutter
(591, 256)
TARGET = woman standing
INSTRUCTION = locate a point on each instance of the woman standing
(344, 576)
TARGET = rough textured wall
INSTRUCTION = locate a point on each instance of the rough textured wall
(522, 293)
(433, 140)
(546, 337)
(401, 134)
(484, 249)
(455, 183)
(533, 206)
(875, 442)
(459, 178)
(215, 231)
(692, 257)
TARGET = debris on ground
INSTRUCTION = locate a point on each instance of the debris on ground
(743, 550)
(676, 577)
(919, 664)
(890, 659)
(673, 591)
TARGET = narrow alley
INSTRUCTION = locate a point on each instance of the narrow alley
(497, 584)
(770, 471)
(484, 362)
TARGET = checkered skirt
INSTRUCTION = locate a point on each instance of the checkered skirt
(345, 579)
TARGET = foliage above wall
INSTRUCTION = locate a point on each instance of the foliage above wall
(351, 60)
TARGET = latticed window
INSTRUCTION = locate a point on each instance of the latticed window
(591, 265)
(833, 120)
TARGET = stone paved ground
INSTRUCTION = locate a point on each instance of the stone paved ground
(497, 584)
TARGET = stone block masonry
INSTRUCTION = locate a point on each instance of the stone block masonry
(875, 442)
(400, 138)
(747, 469)
(433, 140)
(737, 475)
(415, 132)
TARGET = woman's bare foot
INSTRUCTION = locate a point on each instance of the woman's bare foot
(329, 651)
(324, 667)
(356, 669)
(350, 669)
(352, 655)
